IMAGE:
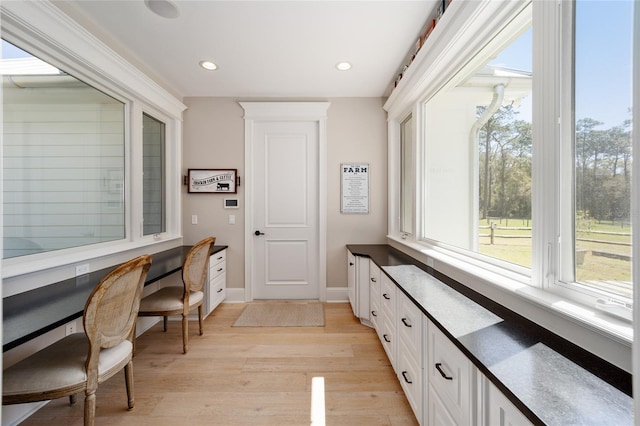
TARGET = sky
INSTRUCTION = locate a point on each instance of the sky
(603, 60)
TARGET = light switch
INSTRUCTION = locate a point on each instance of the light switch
(232, 219)
(194, 219)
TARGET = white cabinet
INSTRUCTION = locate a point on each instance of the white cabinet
(499, 410)
(374, 295)
(387, 331)
(409, 321)
(217, 285)
(358, 285)
(451, 377)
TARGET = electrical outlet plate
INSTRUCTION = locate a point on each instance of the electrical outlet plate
(70, 328)
(82, 269)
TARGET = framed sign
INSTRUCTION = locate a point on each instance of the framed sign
(354, 188)
(212, 180)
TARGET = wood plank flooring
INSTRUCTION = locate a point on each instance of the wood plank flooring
(250, 376)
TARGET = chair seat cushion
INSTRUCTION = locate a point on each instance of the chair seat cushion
(61, 365)
(169, 299)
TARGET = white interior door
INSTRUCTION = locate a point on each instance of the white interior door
(285, 210)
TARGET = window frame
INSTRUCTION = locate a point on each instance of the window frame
(473, 26)
(44, 31)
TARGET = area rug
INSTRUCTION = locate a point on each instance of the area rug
(281, 314)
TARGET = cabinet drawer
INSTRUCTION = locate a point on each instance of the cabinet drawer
(451, 375)
(374, 304)
(409, 325)
(388, 296)
(216, 270)
(217, 290)
(387, 336)
(410, 377)
(218, 257)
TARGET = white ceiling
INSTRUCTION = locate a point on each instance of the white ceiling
(266, 48)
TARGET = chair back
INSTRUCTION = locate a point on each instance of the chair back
(196, 265)
(112, 308)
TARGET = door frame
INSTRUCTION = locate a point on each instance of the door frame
(285, 111)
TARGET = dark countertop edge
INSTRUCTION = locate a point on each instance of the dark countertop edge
(22, 340)
(385, 255)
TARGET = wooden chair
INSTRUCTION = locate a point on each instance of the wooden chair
(81, 361)
(177, 300)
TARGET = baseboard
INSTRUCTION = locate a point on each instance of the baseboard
(337, 294)
(234, 295)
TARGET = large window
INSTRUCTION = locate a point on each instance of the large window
(64, 159)
(602, 145)
(525, 141)
(477, 156)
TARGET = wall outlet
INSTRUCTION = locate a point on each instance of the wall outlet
(82, 269)
(194, 219)
(70, 328)
(232, 219)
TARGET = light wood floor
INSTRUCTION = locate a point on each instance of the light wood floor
(250, 376)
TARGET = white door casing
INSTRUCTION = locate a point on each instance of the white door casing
(285, 199)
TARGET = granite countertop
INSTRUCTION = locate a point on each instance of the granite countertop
(550, 380)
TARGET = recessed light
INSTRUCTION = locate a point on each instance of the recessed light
(164, 8)
(343, 66)
(208, 65)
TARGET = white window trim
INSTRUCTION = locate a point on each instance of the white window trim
(472, 26)
(48, 33)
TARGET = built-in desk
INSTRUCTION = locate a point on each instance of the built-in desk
(32, 313)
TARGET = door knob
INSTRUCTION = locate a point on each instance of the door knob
(258, 233)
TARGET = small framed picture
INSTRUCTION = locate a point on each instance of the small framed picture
(212, 181)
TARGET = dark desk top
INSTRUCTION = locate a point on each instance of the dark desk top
(35, 312)
(551, 380)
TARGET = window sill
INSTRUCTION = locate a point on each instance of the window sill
(512, 292)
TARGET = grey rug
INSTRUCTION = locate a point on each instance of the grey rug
(281, 314)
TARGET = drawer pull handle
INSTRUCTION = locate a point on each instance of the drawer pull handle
(386, 296)
(404, 375)
(442, 373)
(220, 258)
(351, 263)
(219, 270)
(404, 321)
(374, 280)
(386, 339)
(219, 290)
(374, 313)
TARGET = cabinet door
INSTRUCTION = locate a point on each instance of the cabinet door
(409, 324)
(437, 412)
(500, 411)
(451, 375)
(351, 281)
(410, 377)
(374, 303)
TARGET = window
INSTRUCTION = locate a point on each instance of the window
(407, 172)
(153, 159)
(64, 159)
(601, 256)
(525, 149)
(478, 156)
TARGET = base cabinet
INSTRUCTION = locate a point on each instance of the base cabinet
(217, 284)
(441, 384)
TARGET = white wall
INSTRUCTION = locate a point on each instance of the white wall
(214, 138)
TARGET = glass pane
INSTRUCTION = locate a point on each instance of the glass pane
(63, 159)
(603, 154)
(153, 182)
(406, 180)
(478, 157)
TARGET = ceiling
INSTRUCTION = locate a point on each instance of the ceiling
(264, 48)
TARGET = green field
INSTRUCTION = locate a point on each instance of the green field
(607, 251)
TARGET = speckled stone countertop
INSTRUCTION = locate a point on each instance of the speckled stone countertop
(549, 379)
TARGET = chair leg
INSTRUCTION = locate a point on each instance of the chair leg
(90, 409)
(185, 333)
(164, 323)
(200, 323)
(128, 380)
